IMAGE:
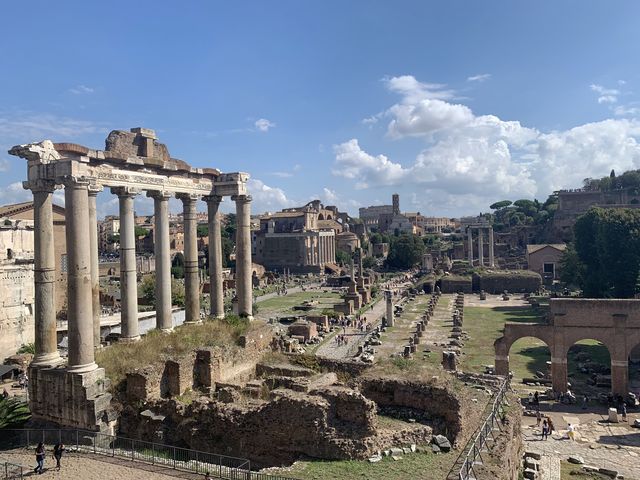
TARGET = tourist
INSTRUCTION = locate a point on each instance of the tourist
(5, 394)
(40, 453)
(584, 402)
(538, 418)
(551, 426)
(536, 399)
(58, 449)
(571, 432)
(545, 429)
(530, 400)
(207, 476)
(624, 411)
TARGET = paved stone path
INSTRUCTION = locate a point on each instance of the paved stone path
(550, 468)
(613, 446)
(330, 349)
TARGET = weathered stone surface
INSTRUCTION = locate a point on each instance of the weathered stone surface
(577, 459)
(442, 442)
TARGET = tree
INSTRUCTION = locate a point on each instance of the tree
(499, 205)
(405, 251)
(571, 268)
(202, 230)
(607, 242)
(147, 291)
(368, 262)
(13, 412)
(177, 265)
(342, 258)
(140, 231)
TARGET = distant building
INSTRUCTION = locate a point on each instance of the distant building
(545, 259)
(17, 273)
(108, 234)
(302, 240)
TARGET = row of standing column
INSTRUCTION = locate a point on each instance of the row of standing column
(83, 293)
(480, 246)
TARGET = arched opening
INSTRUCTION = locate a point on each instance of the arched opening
(589, 368)
(530, 362)
(329, 217)
(320, 217)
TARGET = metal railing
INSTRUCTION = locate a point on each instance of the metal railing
(482, 435)
(84, 441)
(11, 471)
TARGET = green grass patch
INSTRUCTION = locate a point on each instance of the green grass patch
(155, 346)
(416, 465)
(570, 471)
(485, 325)
(284, 303)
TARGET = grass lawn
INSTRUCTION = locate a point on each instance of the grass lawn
(485, 325)
(416, 465)
(284, 304)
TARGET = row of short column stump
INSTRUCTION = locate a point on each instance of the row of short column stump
(421, 326)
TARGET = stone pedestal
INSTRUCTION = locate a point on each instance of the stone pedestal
(559, 374)
(502, 365)
(619, 377)
(77, 400)
(390, 319)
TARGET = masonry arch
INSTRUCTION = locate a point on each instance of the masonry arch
(529, 357)
(320, 216)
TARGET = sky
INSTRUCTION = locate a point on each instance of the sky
(454, 105)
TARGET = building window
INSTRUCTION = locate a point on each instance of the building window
(549, 268)
(63, 263)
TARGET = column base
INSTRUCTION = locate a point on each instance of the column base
(47, 360)
(192, 322)
(129, 339)
(87, 367)
(71, 399)
(218, 316)
(166, 330)
(248, 317)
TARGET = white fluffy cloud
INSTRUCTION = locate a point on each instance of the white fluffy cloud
(263, 125)
(484, 158)
(605, 95)
(266, 198)
(81, 90)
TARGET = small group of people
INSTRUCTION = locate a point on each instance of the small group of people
(23, 381)
(58, 450)
(342, 339)
(547, 425)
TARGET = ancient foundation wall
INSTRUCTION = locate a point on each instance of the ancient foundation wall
(497, 282)
(455, 284)
(71, 399)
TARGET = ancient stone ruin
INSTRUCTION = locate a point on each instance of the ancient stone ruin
(74, 393)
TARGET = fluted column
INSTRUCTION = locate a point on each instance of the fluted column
(491, 253)
(44, 274)
(191, 279)
(480, 247)
(128, 274)
(95, 273)
(470, 242)
(162, 254)
(79, 297)
(216, 292)
(243, 255)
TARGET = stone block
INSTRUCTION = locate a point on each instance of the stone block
(613, 415)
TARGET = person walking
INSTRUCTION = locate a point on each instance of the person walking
(58, 449)
(40, 454)
(545, 429)
(624, 411)
(538, 418)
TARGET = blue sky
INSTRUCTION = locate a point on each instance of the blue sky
(452, 104)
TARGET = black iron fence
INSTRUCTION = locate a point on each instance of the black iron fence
(84, 441)
(473, 450)
(11, 471)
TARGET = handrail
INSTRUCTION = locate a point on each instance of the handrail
(176, 458)
(481, 436)
(11, 471)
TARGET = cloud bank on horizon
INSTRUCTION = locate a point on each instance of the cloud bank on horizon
(470, 159)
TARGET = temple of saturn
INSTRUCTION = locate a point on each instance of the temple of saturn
(614, 323)
(74, 393)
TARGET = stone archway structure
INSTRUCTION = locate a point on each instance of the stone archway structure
(74, 393)
(615, 323)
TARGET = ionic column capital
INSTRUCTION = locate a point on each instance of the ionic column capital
(95, 189)
(159, 194)
(129, 192)
(213, 198)
(241, 198)
(40, 185)
(188, 197)
(71, 181)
